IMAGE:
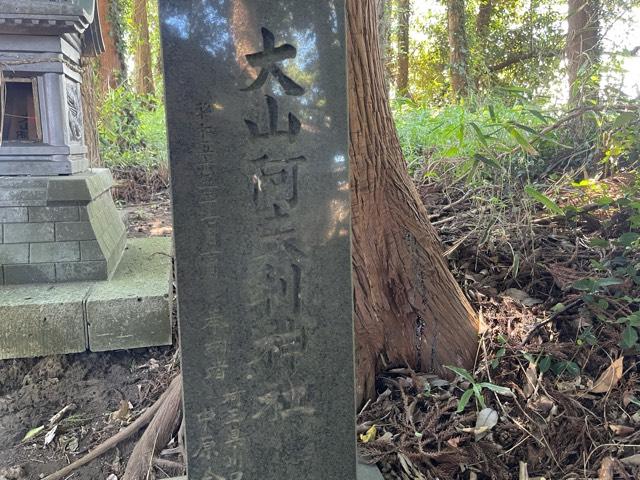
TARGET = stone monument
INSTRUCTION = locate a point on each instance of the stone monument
(258, 135)
(58, 221)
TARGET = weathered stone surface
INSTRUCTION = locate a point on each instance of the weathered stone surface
(76, 209)
(368, 472)
(90, 250)
(42, 320)
(13, 214)
(81, 187)
(258, 139)
(363, 472)
(14, 253)
(28, 232)
(53, 214)
(133, 309)
(55, 252)
(29, 273)
(22, 192)
(81, 271)
(67, 231)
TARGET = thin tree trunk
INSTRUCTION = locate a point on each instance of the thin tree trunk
(408, 308)
(90, 110)
(143, 60)
(402, 80)
(111, 61)
(583, 50)
(458, 49)
(483, 20)
(384, 32)
(383, 26)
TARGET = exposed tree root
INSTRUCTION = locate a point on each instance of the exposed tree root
(114, 441)
(165, 422)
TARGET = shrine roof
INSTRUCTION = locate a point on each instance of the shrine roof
(54, 17)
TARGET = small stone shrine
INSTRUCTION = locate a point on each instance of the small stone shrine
(58, 222)
(57, 217)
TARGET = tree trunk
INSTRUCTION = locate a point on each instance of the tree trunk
(143, 59)
(111, 61)
(458, 49)
(384, 31)
(483, 20)
(402, 80)
(409, 311)
(583, 50)
(90, 110)
(383, 26)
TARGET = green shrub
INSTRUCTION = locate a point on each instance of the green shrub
(132, 130)
(490, 134)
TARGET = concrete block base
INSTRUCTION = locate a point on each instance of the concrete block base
(131, 310)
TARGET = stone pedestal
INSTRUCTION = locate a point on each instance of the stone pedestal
(132, 310)
(59, 229)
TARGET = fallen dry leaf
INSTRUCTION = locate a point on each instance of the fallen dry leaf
(610, 377)
(487, 419)
(522, 297)
(454, 442)
(123, 412)
(543, 404)
(632, 460)
(531, 377)
(370, 435)
(621, 430)
(386, 438)
(628, 397)
(606, 469)
(51, 434)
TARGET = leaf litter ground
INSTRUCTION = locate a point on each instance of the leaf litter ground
(573, 410)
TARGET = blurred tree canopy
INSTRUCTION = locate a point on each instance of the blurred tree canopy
(507, 43)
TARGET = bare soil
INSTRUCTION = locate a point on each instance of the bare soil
(95, 385)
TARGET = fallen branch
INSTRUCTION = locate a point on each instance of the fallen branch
(114, 441)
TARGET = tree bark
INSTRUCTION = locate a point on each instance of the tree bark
(143, 59)
(409, 311)
(90, 110)
(483, 20)
(402, 80)
(583, 50)
(384, 31)
(111, 61)
(458, 48)
(383, 26)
